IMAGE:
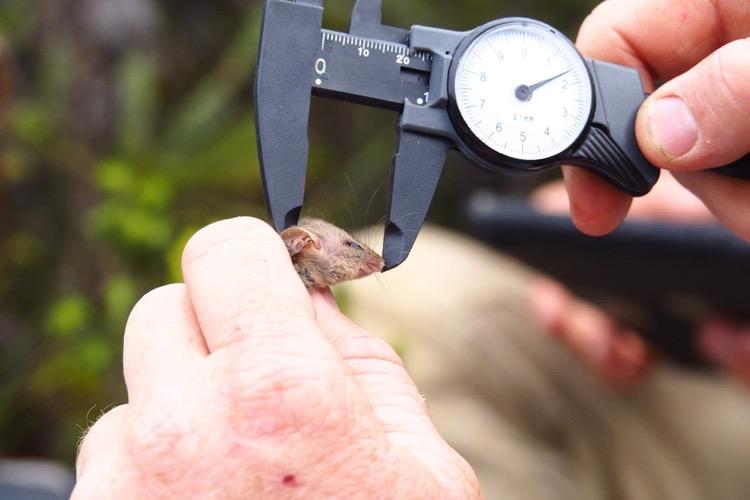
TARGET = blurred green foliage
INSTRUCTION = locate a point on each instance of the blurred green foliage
(129, 126)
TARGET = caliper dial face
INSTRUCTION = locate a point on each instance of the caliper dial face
(524, 91)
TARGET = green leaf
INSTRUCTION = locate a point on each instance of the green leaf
(139, 94)
(115, 176)
(76, 370)
(155, 191)
(32, 123)
(130, 226)
(69, 315)
(206, 109)
(119, 297)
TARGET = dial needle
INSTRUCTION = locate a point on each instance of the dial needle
(526, 92)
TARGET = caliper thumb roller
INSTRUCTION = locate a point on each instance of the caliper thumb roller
(514, 96)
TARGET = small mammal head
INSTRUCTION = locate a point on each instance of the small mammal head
(325, 255)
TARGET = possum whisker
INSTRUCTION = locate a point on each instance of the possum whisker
(348, 206)
(380, 221)
(348, 209)
(351, 186)
(372, 236)
(379, 278)
(316, 180)
(372, 200)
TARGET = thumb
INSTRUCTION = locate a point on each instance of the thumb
(374, 365)
(701, 119)
(379, 372)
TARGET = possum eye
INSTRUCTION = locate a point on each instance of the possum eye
(353, 244)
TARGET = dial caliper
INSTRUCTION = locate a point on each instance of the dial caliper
(514, 96)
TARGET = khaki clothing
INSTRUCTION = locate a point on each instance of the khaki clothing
(533, 422)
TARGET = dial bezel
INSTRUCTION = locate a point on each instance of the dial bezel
(473, 146)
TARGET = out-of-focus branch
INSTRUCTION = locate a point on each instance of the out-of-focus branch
(6, 82)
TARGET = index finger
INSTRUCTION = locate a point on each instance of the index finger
(241, 281)
(662, 38)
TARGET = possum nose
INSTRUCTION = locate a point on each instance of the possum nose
(374, 264)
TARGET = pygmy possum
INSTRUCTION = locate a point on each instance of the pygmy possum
(324, 255)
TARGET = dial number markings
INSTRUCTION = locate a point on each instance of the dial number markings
(535, 96)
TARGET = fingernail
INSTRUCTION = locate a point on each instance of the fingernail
(672, 127)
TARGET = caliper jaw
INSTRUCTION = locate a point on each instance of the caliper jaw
(287, 53)
(366, 22)
(417, 167)
(425, 135)
(287, 56)
(282, 102)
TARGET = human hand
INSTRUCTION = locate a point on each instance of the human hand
(727, 343)
(699, 118)
(243, 385)
(618, 355)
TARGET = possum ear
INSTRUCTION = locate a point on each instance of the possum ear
(298, 239)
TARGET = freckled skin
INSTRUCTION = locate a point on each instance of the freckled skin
(325, 255)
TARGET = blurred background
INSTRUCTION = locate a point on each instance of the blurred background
(125, 125)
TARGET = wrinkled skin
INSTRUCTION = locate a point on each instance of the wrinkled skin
(325, 255)
(699, 50)
(243, 384)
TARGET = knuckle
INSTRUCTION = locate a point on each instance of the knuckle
(282, 397)
(384, 351)
(153, 303)
(100, 434)
(601, 36)
(378, 349)
(264, 323)
(730, 75)
(255, 323)
(225, 232)
(599, 11)
(155, 440)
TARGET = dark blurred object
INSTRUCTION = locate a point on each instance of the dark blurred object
(34, 480)
(660, 279)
